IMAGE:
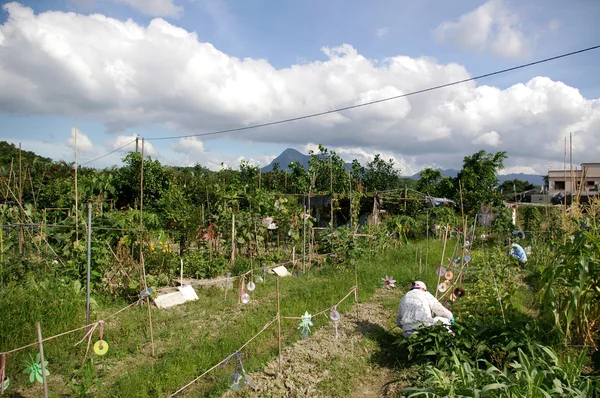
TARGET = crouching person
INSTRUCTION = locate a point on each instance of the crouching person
(416, 308)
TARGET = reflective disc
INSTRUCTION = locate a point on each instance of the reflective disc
(441, 270)
(449, 275)
(245, 298)
(236, 381)
(442, 287)
(100, 347)
(250, 286)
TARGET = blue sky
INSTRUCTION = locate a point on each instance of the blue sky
(183, 67)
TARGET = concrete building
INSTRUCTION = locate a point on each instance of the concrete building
(561, 181)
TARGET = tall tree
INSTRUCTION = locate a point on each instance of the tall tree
(479, 178)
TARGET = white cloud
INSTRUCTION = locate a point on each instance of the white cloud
(382, 32)
(126, 143)
(84, 144)
(490, 27)
(155, 8)
(491, 138)
(189, 145)
(104, 69)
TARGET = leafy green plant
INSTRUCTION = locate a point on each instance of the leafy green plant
(34, 369)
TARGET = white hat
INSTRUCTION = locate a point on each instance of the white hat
(418, 285)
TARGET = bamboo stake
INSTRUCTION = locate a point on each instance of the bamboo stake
(41, 348)
(356, 289)
(76, 195)
(278, 323)
(304, 241)
(232, 237)
(442, 261)
(20, 201)
(142, 244)
(565, 176)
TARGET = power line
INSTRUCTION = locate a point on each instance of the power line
(345, 108)
(106, 154)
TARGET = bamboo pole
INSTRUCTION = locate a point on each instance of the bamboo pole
(278, 323)
(331, 188)
(41, 348)
(89, 264)
(76, 193)
(20, 201)
(304, 241)
(142, 245)
(356, 288)
(442, 262)
(232, 237)
(565, 175)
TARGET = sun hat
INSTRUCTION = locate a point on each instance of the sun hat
(418, 285)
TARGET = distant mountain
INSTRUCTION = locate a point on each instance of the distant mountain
(288, 156)
(534, 179)
(291, 155)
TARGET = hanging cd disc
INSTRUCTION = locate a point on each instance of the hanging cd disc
(448, 275)
(467, 259)
(100, 347)
(245, 298)
(334, 315)
(251, 286)
(440, 270)
(442, 287)
(236, 381)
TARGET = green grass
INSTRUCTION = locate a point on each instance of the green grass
(193, 337)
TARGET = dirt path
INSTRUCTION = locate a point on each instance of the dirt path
(355, 364)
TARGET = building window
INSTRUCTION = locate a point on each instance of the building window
(559, 185)
(590, 183)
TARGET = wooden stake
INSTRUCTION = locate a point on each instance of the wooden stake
(41, 348)
(278, 322)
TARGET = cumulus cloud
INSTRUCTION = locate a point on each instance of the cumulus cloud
(83, 142)
(126, 143)
(155, 8)
(490, 27)
(189, 145)
(490, 139)
(105, 69)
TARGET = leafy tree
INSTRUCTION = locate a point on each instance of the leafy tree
(157, 179)
(510, 186)
(330, 170)
(478, 178)
(380, 175)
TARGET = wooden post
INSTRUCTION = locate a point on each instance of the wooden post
(278, 323)
(41, 348)
(405, 196)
